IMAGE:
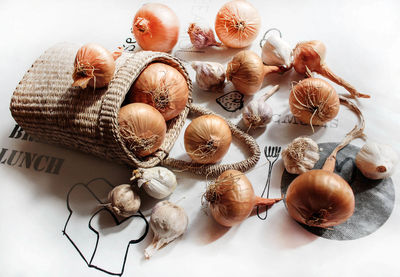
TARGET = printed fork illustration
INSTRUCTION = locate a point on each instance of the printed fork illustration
(272, 154)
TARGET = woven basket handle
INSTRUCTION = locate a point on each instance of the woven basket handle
(213, 170)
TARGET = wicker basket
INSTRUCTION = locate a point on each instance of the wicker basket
(48, 108)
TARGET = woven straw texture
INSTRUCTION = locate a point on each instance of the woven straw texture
(47, 107)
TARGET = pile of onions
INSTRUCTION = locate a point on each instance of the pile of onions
(207, 139)
(163, 87)
(246, 71)
(237, 24)
(231, 198)
(156, 27)
(309, 57)
(94, 66)
(142, 128)
(314, 101)
(320, 197)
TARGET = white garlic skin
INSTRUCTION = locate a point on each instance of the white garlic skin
(257, 113)
(276, 51)
(158, 182)
(376, 161)
(300, 155)
(123, 200)
(209, 75)
(168, 221)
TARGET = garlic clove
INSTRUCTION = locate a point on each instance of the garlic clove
(168, 221)
(123, 200)
(158, 182)
(376, 161)
(300, 155)
(276, 51)
(209, 75)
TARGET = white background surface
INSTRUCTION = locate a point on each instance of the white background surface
(363, 42)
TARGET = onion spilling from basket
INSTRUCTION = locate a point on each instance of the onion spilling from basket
(161, 92)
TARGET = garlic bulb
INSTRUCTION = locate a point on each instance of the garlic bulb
(300, 155)
(276, 51)
(209, 75)
(158, 182)
(123, 200)
(376, 161)
(168, 221)
(258, 113)
(202, 36)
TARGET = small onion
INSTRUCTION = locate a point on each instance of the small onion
(237, 24)
(231, 198)
(94, 66)
(142, 128)
(163, 87)
(156, 27)
(309, 56)
(246, 71)
(207, 139)
(314, 101)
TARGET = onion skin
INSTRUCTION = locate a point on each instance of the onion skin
(94, 66)
(141, 124)
(156, 27)
(163, 87)
(232, 199)
(320, 198)
(314, 101)
(246, 71)
(204, 131)
(237, 24)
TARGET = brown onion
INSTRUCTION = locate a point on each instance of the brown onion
(309, 56)
(237, 24)
(156, 27)
(231, 198)
(314, 101)
(246, 71)
(94, 66)
(163, 87)
(320, 197)
(142, 128)
(207, 139)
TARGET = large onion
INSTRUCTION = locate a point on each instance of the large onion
(94, 66)
(163, 87)
(237, 24)
(231, 198)
(207, 139)
(156, 27)
(320, 198)
(314, 101)
(142, 128)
